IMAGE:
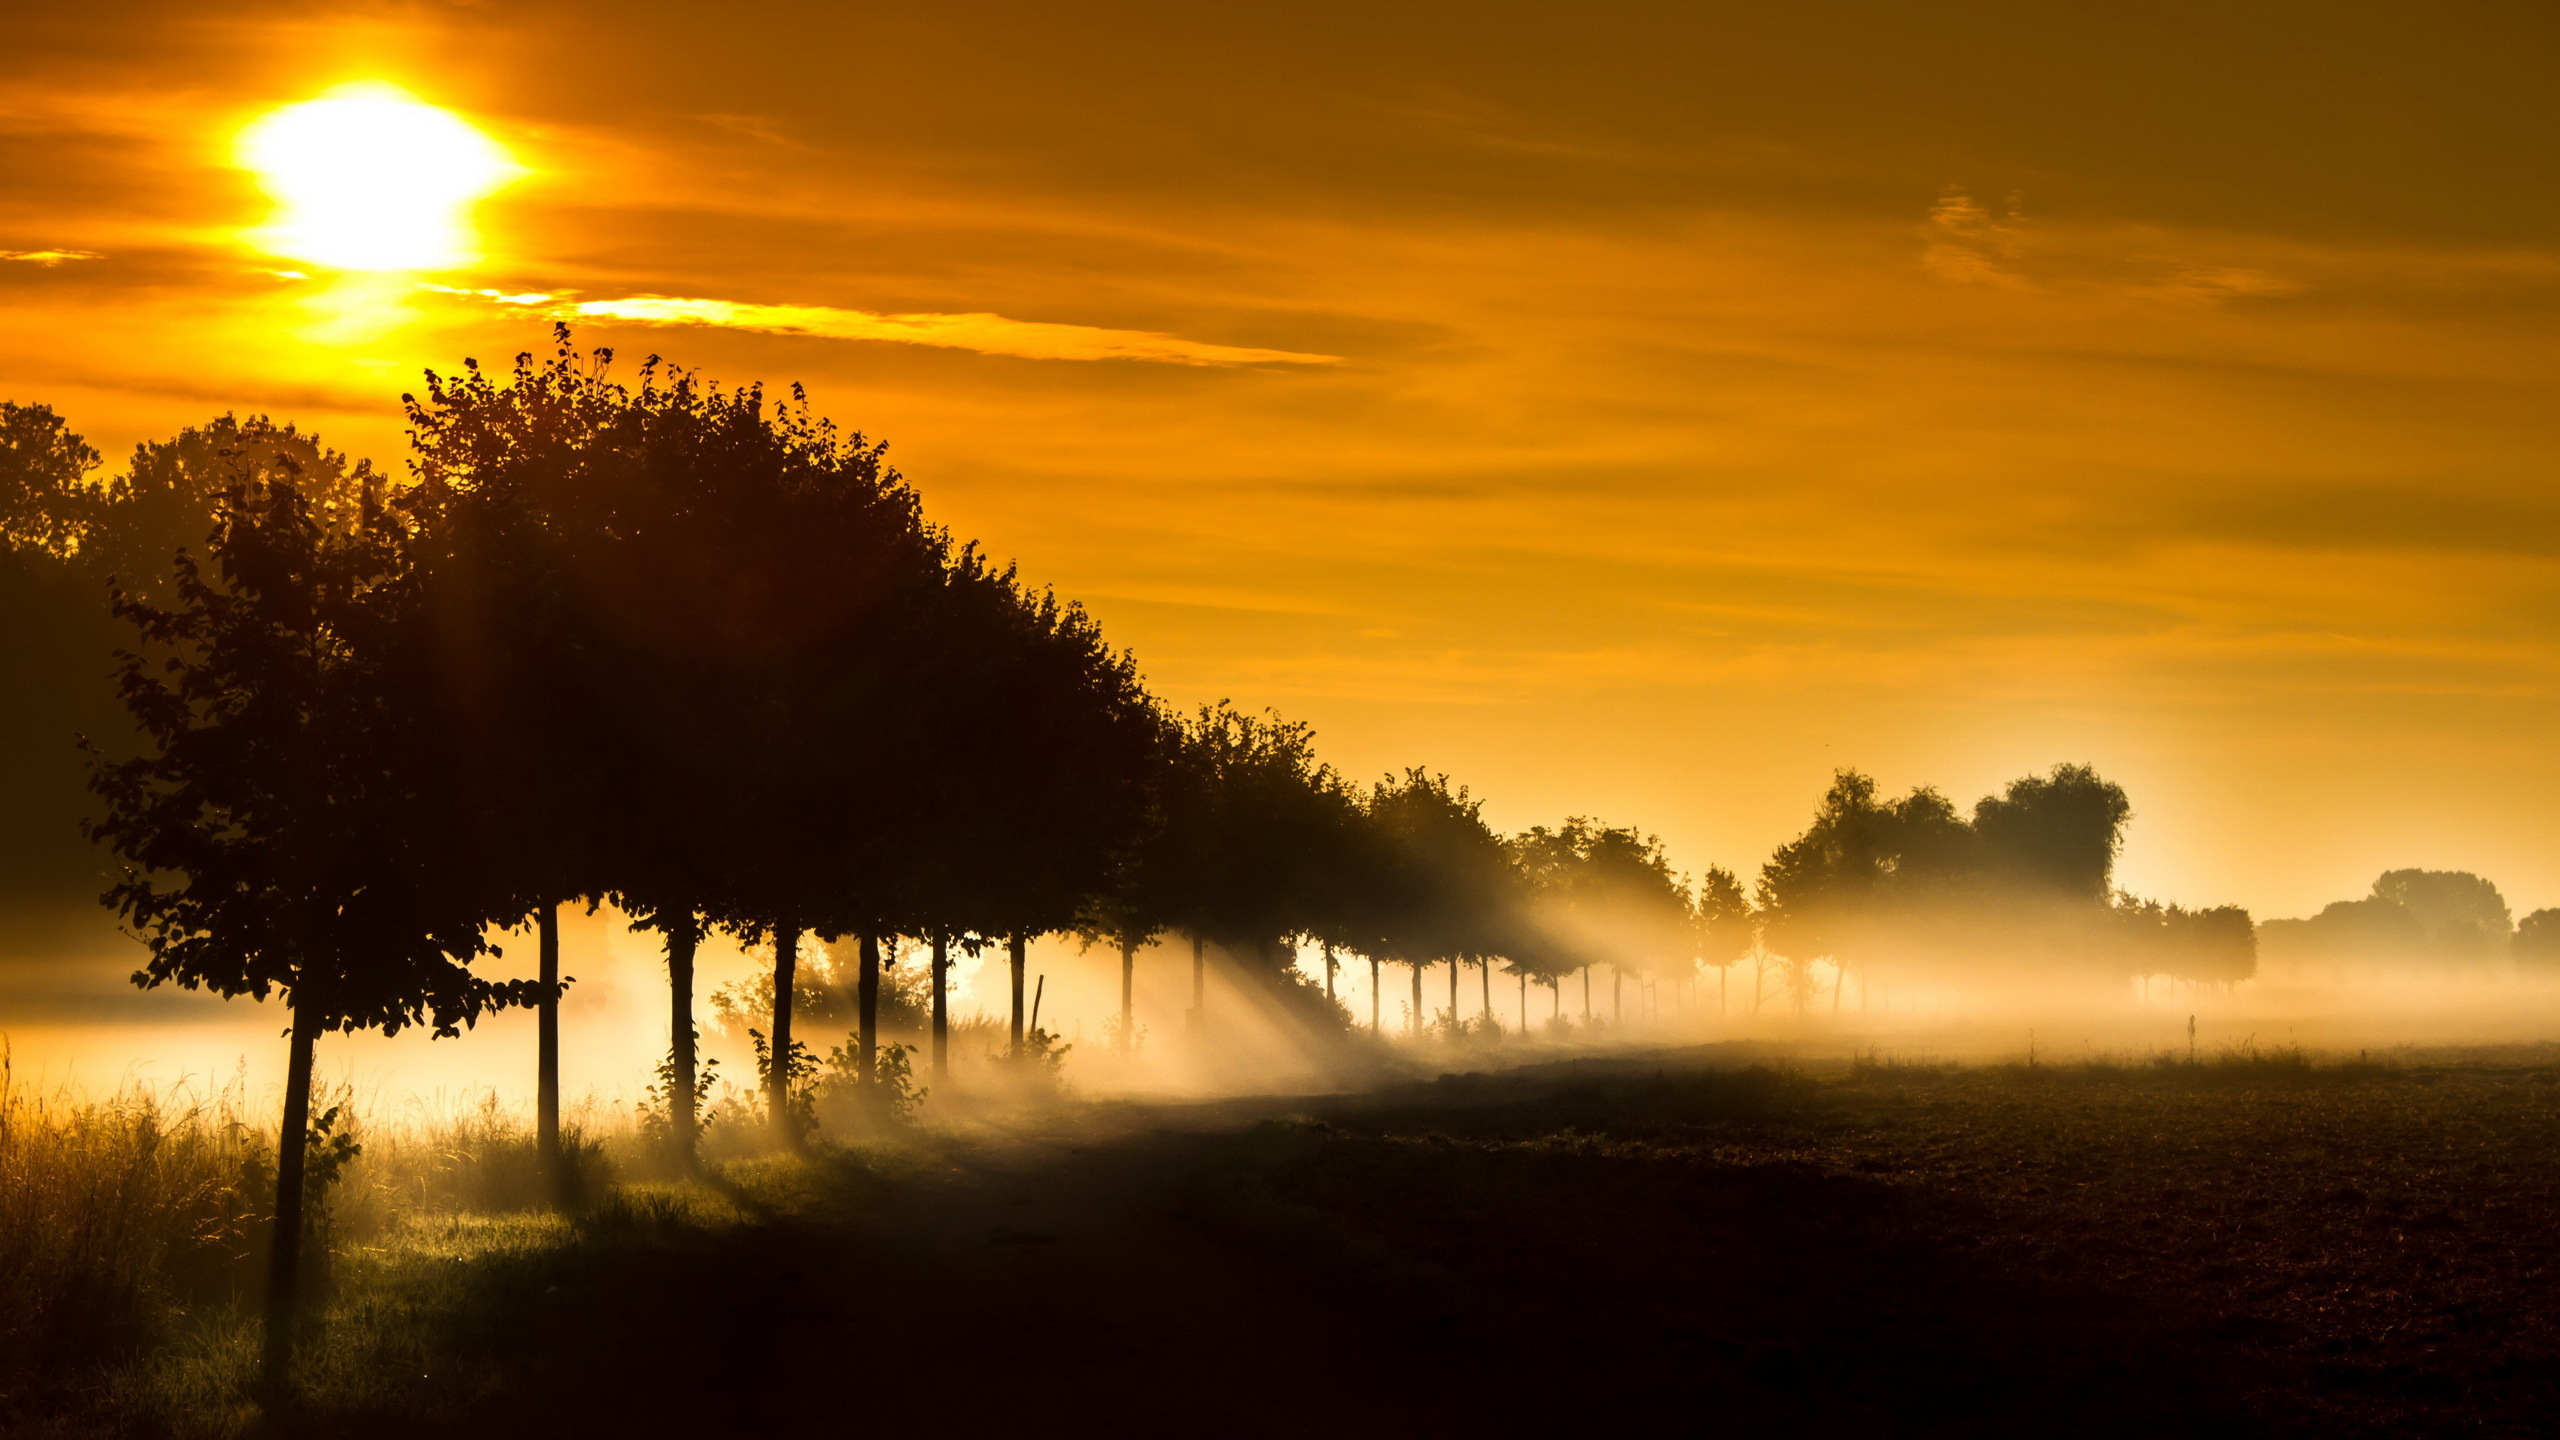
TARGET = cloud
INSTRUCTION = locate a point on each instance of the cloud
(985, 333)
(1968, 244)
(48, 258)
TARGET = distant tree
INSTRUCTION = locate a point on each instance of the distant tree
(1441, 886)
(1050, 758)
(286, 829)
(2217, 946)
(2537, 940)
(2463, 914)
(1256, 830)
(56, 649)
(1912, 880)
(45, 496)
(2408, 915)
(1137, 899)
(1818, 888)
(2059, 832)
(167, 497)
(1602, 892)
(1728, 927)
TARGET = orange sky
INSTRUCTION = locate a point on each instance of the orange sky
(1693, 398)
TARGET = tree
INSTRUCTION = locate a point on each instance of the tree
(1601, 892)
(2058, 833)
(2537, 939)
(45, 497)
(1439, 889)
(1255, 831)
(1727, 925)
(2463, 914)
(1914, 882)
(1136, 900)
(285, 830)
(1049, 760)
(685, 623)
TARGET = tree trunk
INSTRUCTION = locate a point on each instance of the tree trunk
(1199, 978)
(1328, 970)
(866, 996)
(777, 1080)
(941, 1005)
(1415, 1023)
(1586, 994)
(1374, 996)
(1014, 948)
(1555, 997)
(683, 938)
(1128, 987)
(546, 1063)
(1453, 993)
(1484, 986)
(284, 1245)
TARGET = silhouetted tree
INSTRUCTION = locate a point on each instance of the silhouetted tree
(1439, 888)
(1257, 830)
(1599, 892)
(2537, 939)
(286, 830)
(2058, 833)
(45, 497)
(1727, 925)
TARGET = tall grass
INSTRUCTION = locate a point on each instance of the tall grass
(135, 1226)
(118, 1217)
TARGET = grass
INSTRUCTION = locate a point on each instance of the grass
(118, 1220)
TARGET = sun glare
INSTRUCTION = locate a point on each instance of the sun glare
(368, 177)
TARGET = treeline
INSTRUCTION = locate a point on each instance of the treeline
(2420, 917)
(1911, 888)
(699, 654)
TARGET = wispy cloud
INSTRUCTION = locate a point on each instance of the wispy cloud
(1969, 244)
(48, 258)
(984, 333)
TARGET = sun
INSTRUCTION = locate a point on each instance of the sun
(369, 177)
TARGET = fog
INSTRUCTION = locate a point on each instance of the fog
(72, 1021)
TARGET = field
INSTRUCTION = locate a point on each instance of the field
(1704, 1240)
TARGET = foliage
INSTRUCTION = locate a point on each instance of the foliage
(657, 1104)
(2537, 939)
(45, 499)
(1599, 894)
(284, 831)
(1727, 925)
(2026, 879)
(2408, 915)
(893, 1094)
(1434, 882)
